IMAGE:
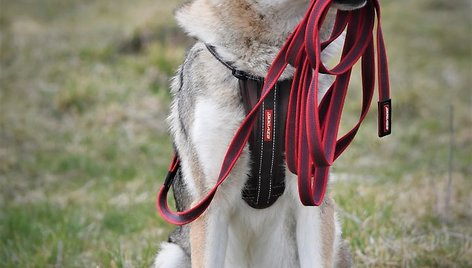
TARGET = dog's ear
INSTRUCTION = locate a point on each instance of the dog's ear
(349, 4)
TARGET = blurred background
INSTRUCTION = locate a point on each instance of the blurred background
(84, 145)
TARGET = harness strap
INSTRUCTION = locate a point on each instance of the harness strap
(266, 180)
(241, 75)
(312, 128)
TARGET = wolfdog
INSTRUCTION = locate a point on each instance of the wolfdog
(205, 113)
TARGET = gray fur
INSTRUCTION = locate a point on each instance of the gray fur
(182, 201)
(183, 93)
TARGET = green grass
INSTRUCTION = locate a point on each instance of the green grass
(84, 143)
(83, 140)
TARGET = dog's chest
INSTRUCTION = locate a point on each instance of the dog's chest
(256, 234)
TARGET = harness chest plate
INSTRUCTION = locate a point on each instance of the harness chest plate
(266, 180)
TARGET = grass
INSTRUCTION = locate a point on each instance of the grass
(83, 138)
(84, 144)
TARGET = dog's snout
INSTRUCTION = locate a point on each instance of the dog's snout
(349, 4)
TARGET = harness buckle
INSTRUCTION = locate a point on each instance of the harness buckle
(239, 74)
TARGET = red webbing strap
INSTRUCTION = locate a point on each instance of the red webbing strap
(312, 127)
(320, 136)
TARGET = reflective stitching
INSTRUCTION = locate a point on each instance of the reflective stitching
(261, 154)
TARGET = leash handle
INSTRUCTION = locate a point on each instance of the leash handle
(178, 218)
(311, 128)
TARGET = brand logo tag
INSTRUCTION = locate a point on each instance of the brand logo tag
(385, 118)
(268, 124)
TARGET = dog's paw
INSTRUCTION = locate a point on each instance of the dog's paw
(171, 256)
(349, 4)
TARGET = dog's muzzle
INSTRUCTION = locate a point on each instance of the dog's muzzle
(349, 4)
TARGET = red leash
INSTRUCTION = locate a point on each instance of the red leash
(312, 129)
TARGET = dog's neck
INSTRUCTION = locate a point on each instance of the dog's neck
(247, 33)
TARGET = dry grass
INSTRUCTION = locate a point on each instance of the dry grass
(83, 143)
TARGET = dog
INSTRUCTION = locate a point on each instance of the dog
(206, 111)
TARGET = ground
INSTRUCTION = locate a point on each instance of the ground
(84, 145)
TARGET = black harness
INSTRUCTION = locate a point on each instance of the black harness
(266, 181)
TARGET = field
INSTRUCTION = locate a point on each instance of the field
(84, 145)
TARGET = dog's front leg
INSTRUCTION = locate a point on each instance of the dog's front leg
(309, 237)
(208, 237)
(316, 235)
